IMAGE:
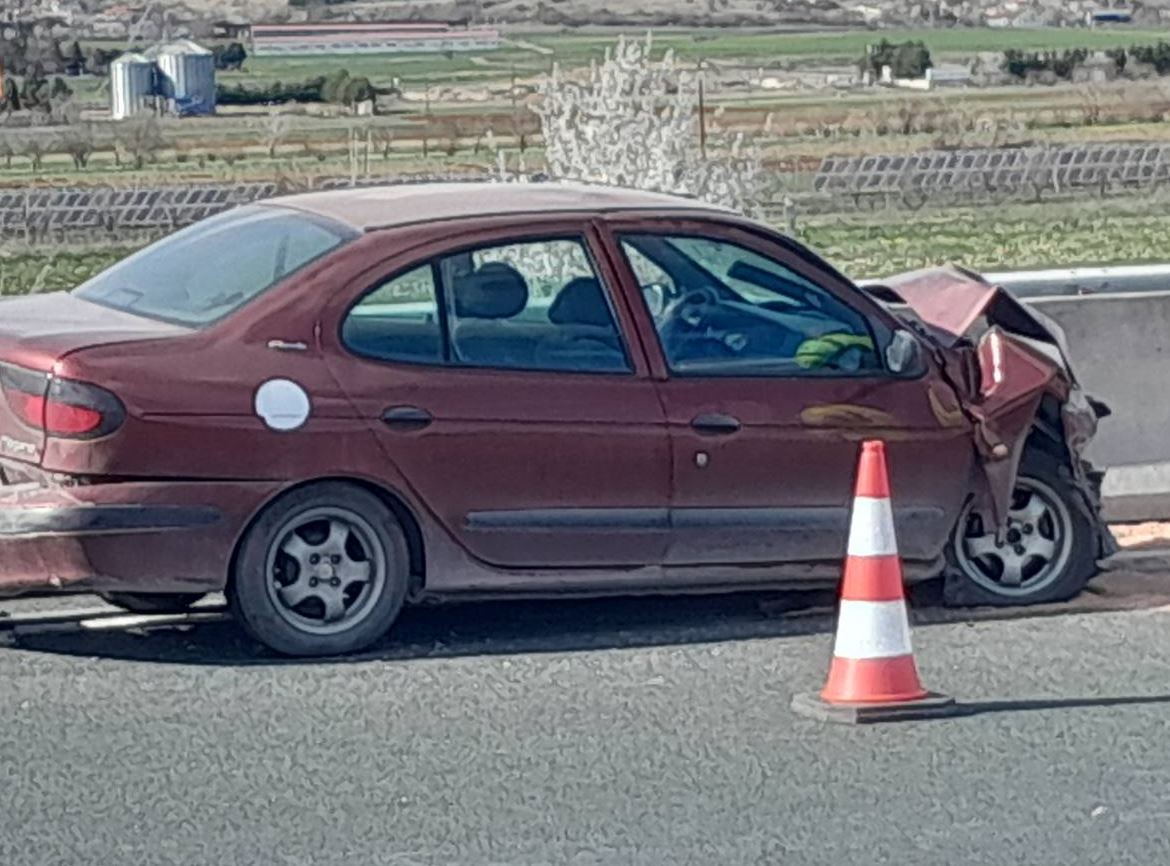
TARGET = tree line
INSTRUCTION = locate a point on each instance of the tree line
(25, 51)
(1063, 64)
(337, 87)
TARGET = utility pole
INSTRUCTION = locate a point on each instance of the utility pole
(702, 116)
(426, 119)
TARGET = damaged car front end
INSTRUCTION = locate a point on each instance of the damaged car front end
(1010, 366)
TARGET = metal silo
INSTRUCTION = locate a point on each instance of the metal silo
(132, 85)
(187, 73)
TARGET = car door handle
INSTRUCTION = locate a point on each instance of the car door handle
(406, 418)
(716, 423)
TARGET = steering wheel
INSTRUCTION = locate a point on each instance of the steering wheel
(658, 297)
(691, 307)
(689, 313)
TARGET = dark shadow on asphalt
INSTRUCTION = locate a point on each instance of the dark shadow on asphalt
(483, 628)
(980, 708)
(513, 626)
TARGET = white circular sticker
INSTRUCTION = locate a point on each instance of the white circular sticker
(282, 404)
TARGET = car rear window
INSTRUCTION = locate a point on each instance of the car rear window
(208, 270)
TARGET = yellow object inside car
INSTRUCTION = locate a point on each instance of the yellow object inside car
(819, 351)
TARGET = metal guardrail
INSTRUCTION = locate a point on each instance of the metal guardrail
(1063, 282)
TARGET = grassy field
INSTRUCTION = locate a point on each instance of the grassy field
(46, 270)
(753, 49)
(792, 129)
(873, 245)
(793, 132)
(850, 45)
(1034, 236)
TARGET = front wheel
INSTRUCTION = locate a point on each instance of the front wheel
(323, 571)
(1047, 553)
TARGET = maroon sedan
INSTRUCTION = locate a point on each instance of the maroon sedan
(330, 405)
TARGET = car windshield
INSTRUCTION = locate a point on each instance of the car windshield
(212, 268)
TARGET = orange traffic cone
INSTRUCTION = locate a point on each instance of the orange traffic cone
(873, 676)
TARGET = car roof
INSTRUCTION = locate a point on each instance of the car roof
(366, 208)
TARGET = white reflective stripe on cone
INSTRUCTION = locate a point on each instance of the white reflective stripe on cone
(871, 530)
(872, 630)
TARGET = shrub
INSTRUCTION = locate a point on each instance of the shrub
(337, 87)
(1062, 64)
(908, 59)
(231, 56)
(1157, 56)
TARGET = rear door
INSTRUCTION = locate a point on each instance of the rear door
(772, 374)
(499, 374)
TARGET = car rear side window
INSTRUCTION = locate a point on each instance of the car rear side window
(212, 268)
(398, 320)
(528, 305)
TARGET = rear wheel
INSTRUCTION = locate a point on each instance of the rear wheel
(152, 602)
(1048, 550)
(323, 571)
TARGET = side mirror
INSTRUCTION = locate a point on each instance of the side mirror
(903, 355)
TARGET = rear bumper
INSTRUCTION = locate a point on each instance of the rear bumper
(82, 520)
(128, 536)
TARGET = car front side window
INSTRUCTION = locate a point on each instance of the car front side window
(733, 311)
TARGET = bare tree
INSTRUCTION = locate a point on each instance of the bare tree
(274, 129)
(385, 137)
(1093, 100)
(141, 138)
(65, 112)
(35, 147)
(7, 148)
(77, 140)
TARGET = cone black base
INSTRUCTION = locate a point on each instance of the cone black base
(933, 706)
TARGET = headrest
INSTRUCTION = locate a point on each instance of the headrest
(581, 302)
(493, 291)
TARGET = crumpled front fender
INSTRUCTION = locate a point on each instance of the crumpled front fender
(1003, 359)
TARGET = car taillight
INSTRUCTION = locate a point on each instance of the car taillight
(24, 392)
(60, 407)
(79, 410)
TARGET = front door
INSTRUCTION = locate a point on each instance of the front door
(497, 375)
(772, 376)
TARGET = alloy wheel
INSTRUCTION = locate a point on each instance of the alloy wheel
(1034, 550)
(325, 570)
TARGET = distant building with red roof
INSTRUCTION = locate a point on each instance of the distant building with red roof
(369, 37)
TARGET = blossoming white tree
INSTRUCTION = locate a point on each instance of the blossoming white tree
(634, 121)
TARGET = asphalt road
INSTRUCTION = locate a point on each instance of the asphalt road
(619, 732)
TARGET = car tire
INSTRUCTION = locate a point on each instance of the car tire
(152, 602)
(1051, 546)
(323, 571)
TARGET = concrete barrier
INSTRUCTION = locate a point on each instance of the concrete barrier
(1120, 346)
(1117, 320)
